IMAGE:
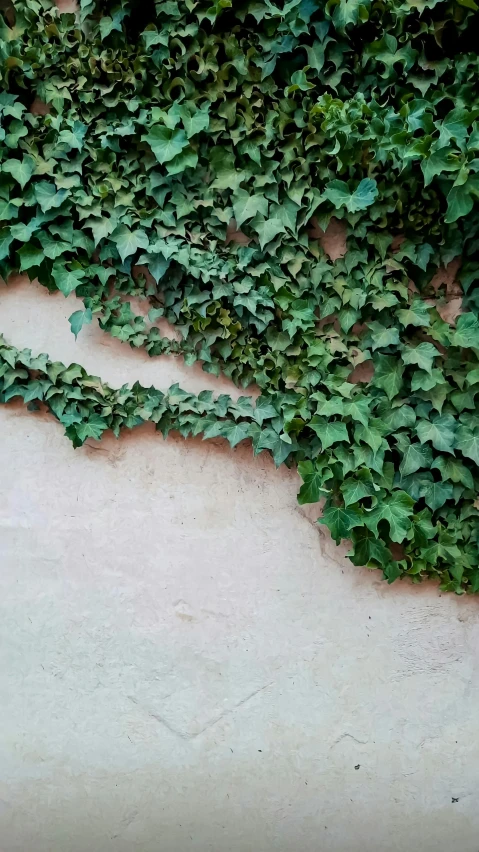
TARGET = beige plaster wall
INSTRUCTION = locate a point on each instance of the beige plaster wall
(188, 663)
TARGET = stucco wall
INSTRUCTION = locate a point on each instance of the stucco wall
(188, 663)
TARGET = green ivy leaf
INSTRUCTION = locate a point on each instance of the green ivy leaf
(78, 319)
(235, 432)
(30, 255)
(467, 332)
(20, 170)
(329, 431)
(382, 336)
(246, 206)
(422, 355)
(6, 240)
(467, 442)
(357, 488)
(415, 457)
(459, 203)
(267, 230)
(128, 242)
(417, 314)
(436, 493)
(439, 431)
(313, 477)
(397, 511)
(66, 280)
(388, 373)
(48, 197)
(339, 194)
(165, 143)
(454, 470)
(340, 521)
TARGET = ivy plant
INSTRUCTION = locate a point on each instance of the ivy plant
(193, 154)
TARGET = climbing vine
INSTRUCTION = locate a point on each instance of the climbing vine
(194, 156)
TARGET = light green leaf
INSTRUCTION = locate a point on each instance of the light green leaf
(128, 242)
(329, 431)
(6, 240)
(52, 248)
(339, 194)
(78, 319)
(280, 449)
(267, 230)
(66, 280)
(47, 195)
(453, 469)
(187, 159)
(235, 432)
(165, 143)
(246, 206)
(439, 431)
(415, 457)
(101, 227)
(30, 255)
(194, 120)
(422, 355)
(417, 314)
(348, 12)
(356, 489)
(436, 493)
(313, 477)
(467, 332)
(444, 160)
(340, 521)
(20, 170)
(397, 511)
(358, 409)
(467, 442)
(382, 336)
(459, 203)
(388, 373)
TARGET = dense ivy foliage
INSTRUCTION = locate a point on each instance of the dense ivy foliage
(192, 155)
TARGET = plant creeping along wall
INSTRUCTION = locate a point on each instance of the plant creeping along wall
(191, 155)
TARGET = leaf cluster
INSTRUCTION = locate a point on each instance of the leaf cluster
(196, 165)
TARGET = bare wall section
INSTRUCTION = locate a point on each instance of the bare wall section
(188, 663)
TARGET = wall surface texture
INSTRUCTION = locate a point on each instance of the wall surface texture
(188, 662)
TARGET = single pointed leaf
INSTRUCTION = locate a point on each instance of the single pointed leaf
(246, 206)
(440, 432)
(165, 143)
(436, 493)
(467, 441)
(48, 196)
(340, 521)
(20, 170)
(397, 511)
(235, 432)
(267, 230)
(355, 489)
(388, 374)
(6, 240)
(30, 255)
(467, 332)
(339, 194)
(313, 477)
(415, 457)
(422, 355)
(66, 280)
(417, 314)
(78, 319)
(329, 431)
(128, 242)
